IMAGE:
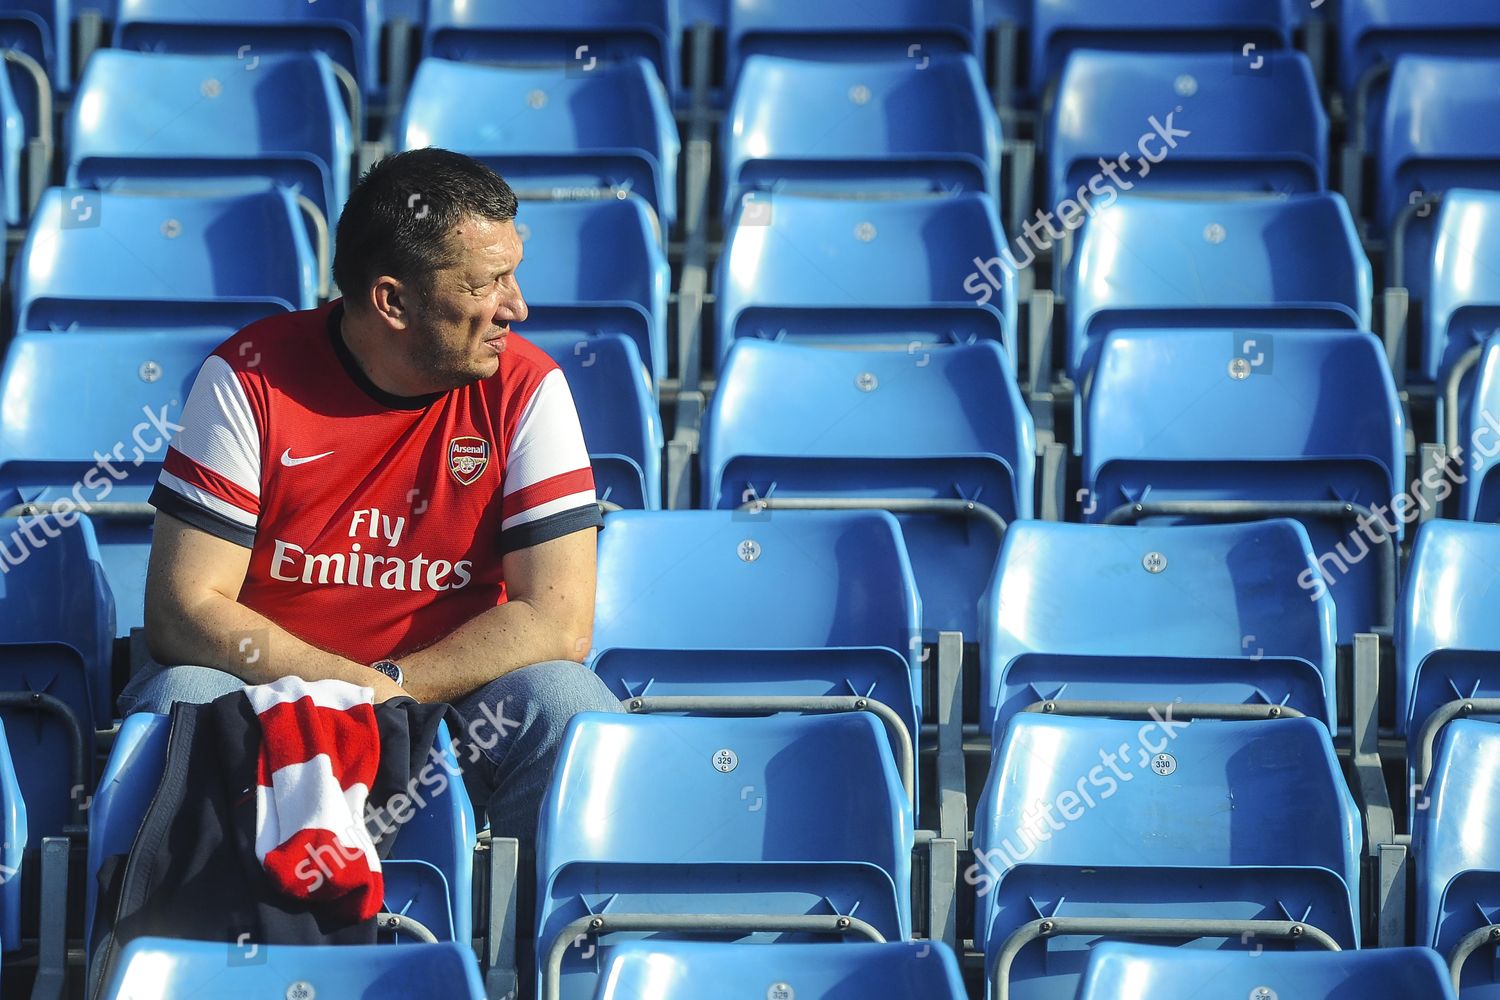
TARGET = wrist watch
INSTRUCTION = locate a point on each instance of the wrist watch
(391, 669)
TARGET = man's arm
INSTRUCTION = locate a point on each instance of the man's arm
(549, 615)
(193, 615)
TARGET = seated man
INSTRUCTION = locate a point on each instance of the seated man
(390, 490)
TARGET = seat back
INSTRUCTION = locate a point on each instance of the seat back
(1427, 144)
(1285, 415)
(1461, 281)
(347, 31)
(1457, 863)
(1112, 818)
(152, 968)
(17, 837)
(1375, 33)
(945, 424)
(595, 267)
(804, 125)
(154, 121)
(1479, 493)
(1218, 26)
(579, 34)
(662, 814)
(1127, 971)
(1261, 262)
(152, 262)
(123, 393)
(851, 272)
(57, 627)
(1260, 130)
(610, 127)
(1205, 613)
(687, 970)
(439, 836)
(776, 603)
(881, 29)
(617, 407)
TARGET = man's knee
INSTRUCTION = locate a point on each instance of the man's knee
(541, 698)
(159, 688)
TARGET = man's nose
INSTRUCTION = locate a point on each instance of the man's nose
(512, 309)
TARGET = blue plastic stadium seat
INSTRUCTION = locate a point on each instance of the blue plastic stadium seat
(1445, 651)
(839, 271)
(56, 638)
(608, 128)
(807, 603)
(1223, 27)
(1460, 285)
(1121, 971)
(596, 267)
(1373, 34)
(1248, 263)
(151, 121)
(946, 424)
(428, 876)
(1215, 415)
(163, 969)
(691, 970)
(576, 34)
(347, 31)
(1427, 144)
(1479, 491)
(1112, 818)
(1251, 131)
(617, 408)
(121, 393)
(786, 815)
(860, 127)
(1456, 850)
(98, 260)
(16, 833)
(1205, 613)
(832, 29)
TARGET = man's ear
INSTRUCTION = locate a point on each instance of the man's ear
(390, 298)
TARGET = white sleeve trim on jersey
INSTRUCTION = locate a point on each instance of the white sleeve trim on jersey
(219, 431)
(207, 500)
(548, 442)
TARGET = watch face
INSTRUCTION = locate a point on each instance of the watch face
(389, 669)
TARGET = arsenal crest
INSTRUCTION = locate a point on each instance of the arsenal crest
(467, 458)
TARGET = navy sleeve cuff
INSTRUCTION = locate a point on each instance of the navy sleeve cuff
(169, 501)
(564, 522)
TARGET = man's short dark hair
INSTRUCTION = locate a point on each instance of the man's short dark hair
(398, 217)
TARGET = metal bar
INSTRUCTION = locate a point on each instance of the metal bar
(501, 973)
(1395, 313)
(399, 923)
(896, 505)
(694, 923)
(942, 891)
(1398, 236)
(320, 242)
(52, 958)
(1162, 710)
(953, 806)
(1036, 930)
(1472, 942)
(1236, 510)
(751, 705)
(1435, 723)
(1465, 364)
(1390, 912)
(1373, 77)
(108, 510)
(1380, 824)
(40, 701)
(355, 108)
(34, 69)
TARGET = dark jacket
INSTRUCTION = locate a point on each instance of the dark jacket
(192, 871)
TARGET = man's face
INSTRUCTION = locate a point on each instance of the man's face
(460, 330)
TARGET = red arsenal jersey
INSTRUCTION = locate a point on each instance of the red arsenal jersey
(375, 523)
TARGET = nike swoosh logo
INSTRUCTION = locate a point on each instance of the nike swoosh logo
(289, 461)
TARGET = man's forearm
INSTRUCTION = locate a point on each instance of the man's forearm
(223, 633)
(505, 638)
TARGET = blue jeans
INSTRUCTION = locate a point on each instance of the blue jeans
(516, 720)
